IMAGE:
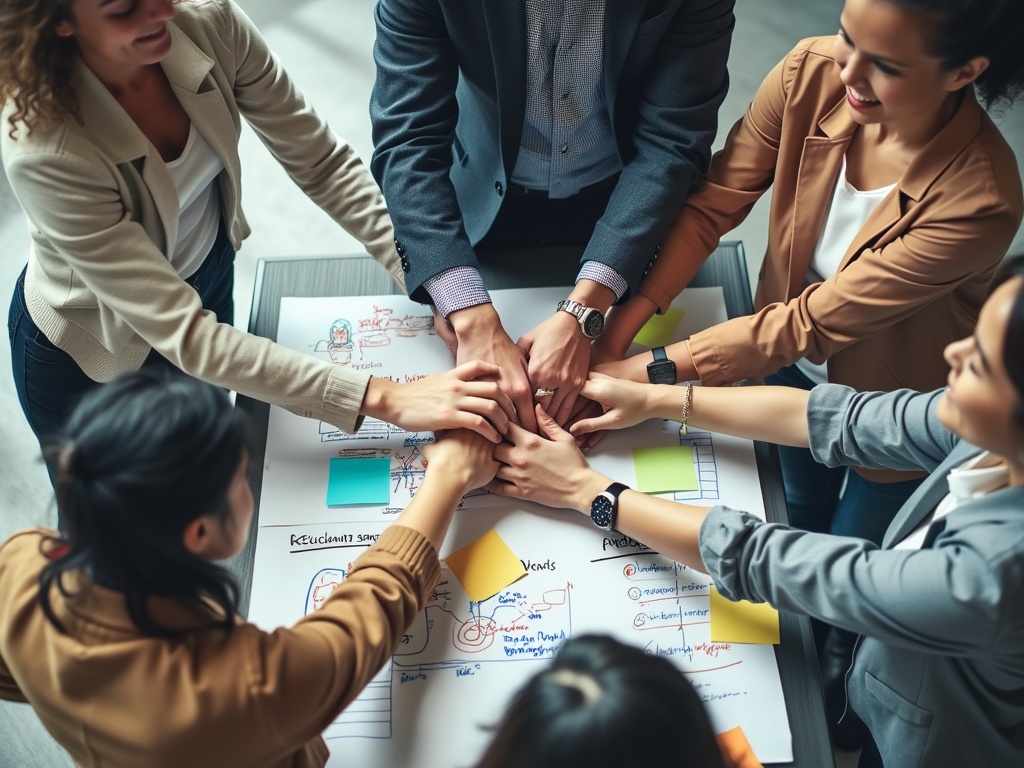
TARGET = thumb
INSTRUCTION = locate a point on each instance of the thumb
(549, 427)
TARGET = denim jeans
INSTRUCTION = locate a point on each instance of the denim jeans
(815, 495)
(49, 382)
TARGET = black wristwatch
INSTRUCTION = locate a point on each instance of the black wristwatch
(590, 319)
(661, 370)
(605, 506)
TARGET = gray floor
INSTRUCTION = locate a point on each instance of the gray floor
(326, 47)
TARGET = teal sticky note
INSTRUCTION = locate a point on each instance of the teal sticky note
(359, 481)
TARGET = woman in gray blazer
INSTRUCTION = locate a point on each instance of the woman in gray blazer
(938, 677)
(119, 135)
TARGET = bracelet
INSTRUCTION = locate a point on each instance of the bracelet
(685, 415)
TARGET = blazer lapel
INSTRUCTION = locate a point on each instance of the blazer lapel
(927, 496)
(506, 33)
(621, 20)
(820, 162)
(119, 138)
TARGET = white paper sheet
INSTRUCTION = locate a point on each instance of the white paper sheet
(461, 661)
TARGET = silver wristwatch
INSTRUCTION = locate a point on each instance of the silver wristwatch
(590, 319)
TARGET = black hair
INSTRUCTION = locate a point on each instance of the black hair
(604, 704)
(965, 29)
(1013, 346)
(138, 460)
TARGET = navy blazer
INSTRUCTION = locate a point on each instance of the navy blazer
(448, 107)
(938, 677)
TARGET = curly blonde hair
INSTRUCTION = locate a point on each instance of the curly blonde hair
(35, 63)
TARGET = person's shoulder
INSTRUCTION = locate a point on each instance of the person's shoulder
(24, 552)
(200, 18)
(813, 57)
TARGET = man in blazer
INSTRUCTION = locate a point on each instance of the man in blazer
(600, 111)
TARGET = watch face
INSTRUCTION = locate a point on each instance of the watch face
(593, 323)
(661, 372)
(602, 512)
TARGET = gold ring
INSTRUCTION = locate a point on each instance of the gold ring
(545, 392)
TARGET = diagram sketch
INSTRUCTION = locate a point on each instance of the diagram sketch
(342, 344)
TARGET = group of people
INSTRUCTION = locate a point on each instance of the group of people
(887, 339)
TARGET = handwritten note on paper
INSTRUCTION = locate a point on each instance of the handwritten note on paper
(485, 566)
(743, 621)
(665, 469)
(660, 330)
(359, 481)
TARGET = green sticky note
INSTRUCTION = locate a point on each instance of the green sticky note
(359, 481)
(661, 470)
(660, 330)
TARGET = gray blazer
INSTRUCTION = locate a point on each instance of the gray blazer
(939, 675)
(448, 108)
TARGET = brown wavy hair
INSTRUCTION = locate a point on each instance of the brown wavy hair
(35, 63)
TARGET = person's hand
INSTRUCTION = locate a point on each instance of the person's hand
(559, 356)
(624, 403)
(446, 333)
(482, 337)
(632, 368)
(444, 401)
(547, 468)
(461, 457)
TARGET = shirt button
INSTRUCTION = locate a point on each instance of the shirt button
(498, 188)
(564, 149)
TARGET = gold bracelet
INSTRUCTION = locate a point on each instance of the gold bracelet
(685, 415)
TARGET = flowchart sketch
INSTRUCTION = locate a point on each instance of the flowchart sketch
(461, 661)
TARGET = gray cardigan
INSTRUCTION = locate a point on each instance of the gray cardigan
(939, 675)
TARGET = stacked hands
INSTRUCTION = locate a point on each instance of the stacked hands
(548, 468)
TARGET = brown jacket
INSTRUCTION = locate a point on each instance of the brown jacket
(913, 280)
(113, 697)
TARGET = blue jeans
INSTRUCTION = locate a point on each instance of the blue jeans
(815, 495)
(49, 382)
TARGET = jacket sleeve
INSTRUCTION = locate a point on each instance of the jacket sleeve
(739, 174)
(680, 93)
(960, 597)
(304, 676)
(322, 164)
(877, 430)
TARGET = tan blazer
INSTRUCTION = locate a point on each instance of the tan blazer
(103, 212)
(914, 278)
(113, 697)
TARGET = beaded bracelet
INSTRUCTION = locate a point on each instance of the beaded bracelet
(685, 415)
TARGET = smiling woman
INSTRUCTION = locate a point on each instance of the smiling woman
(119, 135)
(894, 198)
(938, 604)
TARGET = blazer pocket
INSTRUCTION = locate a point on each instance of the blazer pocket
(898, 726)
(653, 24)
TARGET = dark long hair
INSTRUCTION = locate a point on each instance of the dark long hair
(139, 459)
(964, 29)
(1013, 347)
(603, 704)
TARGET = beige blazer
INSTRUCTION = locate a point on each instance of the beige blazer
(914, 278)
(113, 697)
(103, 212)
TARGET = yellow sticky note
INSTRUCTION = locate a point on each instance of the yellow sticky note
(485, 567)
(660, 330)
(665, 469)
(743, 621)
(737, 749)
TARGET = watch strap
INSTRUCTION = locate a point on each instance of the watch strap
(659, 354)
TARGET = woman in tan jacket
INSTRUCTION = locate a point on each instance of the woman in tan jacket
(894, 199)
(122, 632)
(120, 139)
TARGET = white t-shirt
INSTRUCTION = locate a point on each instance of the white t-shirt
(977, 477)
(194, 175)
(848, 212)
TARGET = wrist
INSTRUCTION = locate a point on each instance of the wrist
(477, 320)
(591, 293)
(379, 399)
(590, 485)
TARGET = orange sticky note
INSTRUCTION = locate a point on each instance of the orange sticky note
(485, 567)
(743, 621)
(736, 749)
